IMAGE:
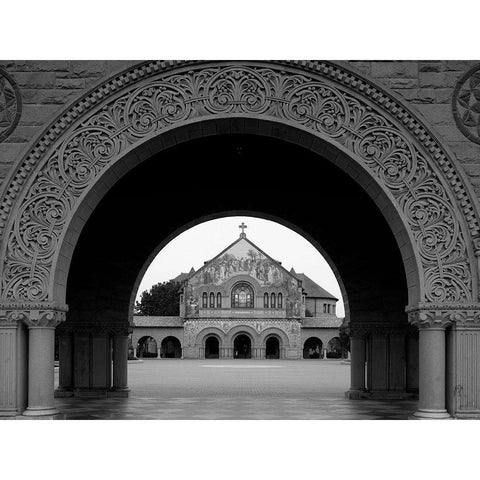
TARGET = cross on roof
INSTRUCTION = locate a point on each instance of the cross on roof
(243, 227)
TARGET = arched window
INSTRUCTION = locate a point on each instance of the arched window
(265, 300)
(242, 295)
(280, 301)
(272, 300)
(204, 300)
(219, 300)
(212, 300)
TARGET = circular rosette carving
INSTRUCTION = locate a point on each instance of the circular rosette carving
(154, 107)
(466, 104)
(237, 90)
(82, 156)
(320, 107)
(389, 155)
(434, 226)
(10, 104)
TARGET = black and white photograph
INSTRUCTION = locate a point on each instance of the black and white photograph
(216, 241)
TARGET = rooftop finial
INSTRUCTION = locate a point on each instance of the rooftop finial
(243, 227)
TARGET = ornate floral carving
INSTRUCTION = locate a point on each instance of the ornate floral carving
(10, 104)
(430, 319)
(323, 99)
(466, 104)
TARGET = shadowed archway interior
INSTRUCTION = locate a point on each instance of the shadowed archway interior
(235, 173)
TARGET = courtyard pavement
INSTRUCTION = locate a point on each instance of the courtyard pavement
(235, 390)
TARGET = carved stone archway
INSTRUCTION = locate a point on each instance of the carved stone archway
(436, 217)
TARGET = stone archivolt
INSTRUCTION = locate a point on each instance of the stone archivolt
(318, 97)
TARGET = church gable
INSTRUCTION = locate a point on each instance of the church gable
(250, 264)
(243, 258)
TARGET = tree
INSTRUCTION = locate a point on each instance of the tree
(162, 300)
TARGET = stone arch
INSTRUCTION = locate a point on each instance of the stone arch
(312, 347)
(206, 332)
(245, 329)
(146, 348)
(277, 332)
(361, 128)
(171, 347)
(211, 346)
(334, 345)
(433, 203)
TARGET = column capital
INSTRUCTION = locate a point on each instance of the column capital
(444, 315)
(430, 319)
(44, 318)
(33, 315)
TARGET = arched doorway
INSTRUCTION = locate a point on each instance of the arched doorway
(272, 348)
(312, 348)
(397, 181)
(334, 348)
(212, 347)
(171, 348)
(147, 348)
(242, 346)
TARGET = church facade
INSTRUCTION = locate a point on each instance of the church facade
(244, 304)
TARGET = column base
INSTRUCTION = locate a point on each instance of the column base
(63, 393)
(354, 394)
(40, 412)
(8, 413)
(428, 414)
(119, 392)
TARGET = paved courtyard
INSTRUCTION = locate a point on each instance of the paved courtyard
(235, 389)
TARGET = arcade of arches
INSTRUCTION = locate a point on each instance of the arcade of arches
(399, 220)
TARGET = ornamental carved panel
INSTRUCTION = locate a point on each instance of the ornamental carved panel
(321, 98)
(466, 104)
(10, 104)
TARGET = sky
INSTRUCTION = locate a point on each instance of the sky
(206, 240)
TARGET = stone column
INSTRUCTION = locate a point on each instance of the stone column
(12, 375)
(159, 352)
(135, 352)
(431, 325)
(65, 353)
(120, 366)
(357, 363)
(41, 351)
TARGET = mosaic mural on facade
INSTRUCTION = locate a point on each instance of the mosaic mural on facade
(243, 258)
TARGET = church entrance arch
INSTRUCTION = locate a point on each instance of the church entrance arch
(272, 347)
(242, 346)
(171, 348)
(63, 217)
(147, 348)
(312, 348)
(212, 347)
